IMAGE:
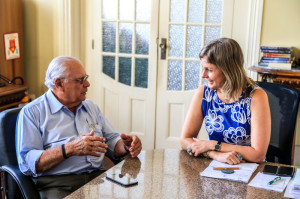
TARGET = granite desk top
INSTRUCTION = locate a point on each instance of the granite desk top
(169, 173)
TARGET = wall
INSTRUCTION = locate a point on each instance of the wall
(40, 43)
(281, 24)
(281, 27)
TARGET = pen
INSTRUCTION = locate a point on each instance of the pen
(274, 180)
(229, 168)
(90, 125)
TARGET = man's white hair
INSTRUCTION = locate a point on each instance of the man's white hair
(58, 69)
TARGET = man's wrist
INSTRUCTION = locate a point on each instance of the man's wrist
(126, 148)
(64, 151)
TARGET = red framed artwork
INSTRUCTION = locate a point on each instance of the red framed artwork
(11, 45)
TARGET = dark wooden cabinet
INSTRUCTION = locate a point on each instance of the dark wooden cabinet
(11, 22)
(286, 77)
(11, 96)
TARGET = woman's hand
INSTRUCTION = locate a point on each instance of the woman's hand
(226, 157)
(200, 146)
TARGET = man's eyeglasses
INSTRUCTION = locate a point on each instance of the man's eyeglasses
(80, 80)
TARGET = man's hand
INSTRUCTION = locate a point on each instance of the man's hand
(87, 144)
(133, 143)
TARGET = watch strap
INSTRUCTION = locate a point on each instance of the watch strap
(218, 146)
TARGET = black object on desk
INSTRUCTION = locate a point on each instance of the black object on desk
(279, 171)
(122, 180)
(285, 171)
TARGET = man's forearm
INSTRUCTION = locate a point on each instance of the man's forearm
(49, 159)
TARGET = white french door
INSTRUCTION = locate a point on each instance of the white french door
(188, 26)
(140, 90)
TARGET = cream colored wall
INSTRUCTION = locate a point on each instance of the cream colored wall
(281, 24)
(40, 43)
(281, 27)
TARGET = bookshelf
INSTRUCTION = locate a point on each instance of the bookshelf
(286, 77)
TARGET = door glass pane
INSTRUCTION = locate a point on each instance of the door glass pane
(175, 75)
(192, 75)
(143, 10)
(214, 11)
(142, 38)
(125, 70)
(187, 36)
(141, 73)
(176, 40)
(109, 9)
(109, 37)
(196, 11)
(125, 37)
(194, 41)
(212, 33)
(178, 10)
(109, 66)
(126, 9)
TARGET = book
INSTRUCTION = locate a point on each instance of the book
(275, 48)
(276, 51)
(275, 59)
(273, 65)
(286, 55)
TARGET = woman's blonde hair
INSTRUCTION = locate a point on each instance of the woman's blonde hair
(227, 55)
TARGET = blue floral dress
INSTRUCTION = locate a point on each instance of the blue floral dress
(228, 122)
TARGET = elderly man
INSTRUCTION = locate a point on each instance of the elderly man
(62, 137)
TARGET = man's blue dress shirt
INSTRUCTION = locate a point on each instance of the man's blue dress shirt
(46, 123)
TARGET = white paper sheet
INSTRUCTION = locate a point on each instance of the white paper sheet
(242, 175)
(293, 188)
(262, 180)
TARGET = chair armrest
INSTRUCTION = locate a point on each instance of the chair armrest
(24, 182)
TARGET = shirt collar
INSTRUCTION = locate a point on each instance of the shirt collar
(55, 105)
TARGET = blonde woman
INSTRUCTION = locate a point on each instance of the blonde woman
(234, 110)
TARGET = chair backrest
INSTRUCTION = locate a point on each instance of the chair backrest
(8, 119)
(284, 102)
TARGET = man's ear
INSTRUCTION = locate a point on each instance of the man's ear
(58, 83)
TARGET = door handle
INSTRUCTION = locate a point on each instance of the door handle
(163, 48)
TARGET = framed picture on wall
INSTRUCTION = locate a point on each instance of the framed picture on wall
(11, 45)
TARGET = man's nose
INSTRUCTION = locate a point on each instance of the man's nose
(86, 83)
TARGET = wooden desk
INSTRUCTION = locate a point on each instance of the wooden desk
(11, 95)
(286, 77)
(169, 173)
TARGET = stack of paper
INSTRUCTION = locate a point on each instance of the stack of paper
(293, 190)
(296, 184)
(262, 181)
(243, 174)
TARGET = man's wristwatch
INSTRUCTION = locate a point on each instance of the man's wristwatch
(218, 146)
(126, 148)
